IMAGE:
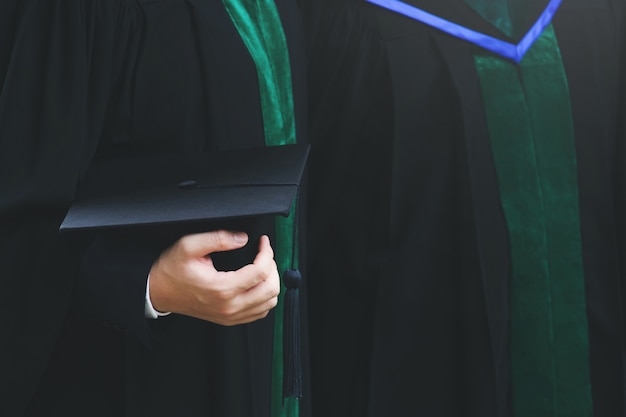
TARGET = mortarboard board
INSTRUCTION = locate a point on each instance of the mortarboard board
(188, 193)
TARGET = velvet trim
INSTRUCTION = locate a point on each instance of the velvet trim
(259, 25)
(530, 124)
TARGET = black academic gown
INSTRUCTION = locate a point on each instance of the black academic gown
(410, 253)
(87, 80)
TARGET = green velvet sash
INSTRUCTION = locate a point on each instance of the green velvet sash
(529, 119)
(259, 25)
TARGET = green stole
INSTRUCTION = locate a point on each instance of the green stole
(528, 113)
(259, 25)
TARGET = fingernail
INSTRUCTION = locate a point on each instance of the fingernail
(240, 237)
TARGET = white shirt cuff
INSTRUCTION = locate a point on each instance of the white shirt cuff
(149, 311)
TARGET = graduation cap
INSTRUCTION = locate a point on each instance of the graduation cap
(189, 193)
(173, 195)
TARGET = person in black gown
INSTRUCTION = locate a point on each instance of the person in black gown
(430, 173)
(88, 80)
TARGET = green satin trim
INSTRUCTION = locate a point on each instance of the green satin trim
(529, 119)
(259, 25)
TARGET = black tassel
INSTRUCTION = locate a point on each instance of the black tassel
(292, 362)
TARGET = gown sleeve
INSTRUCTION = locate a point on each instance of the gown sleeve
(63, 65)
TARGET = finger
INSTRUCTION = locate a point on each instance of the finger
(251, 275)
(240, 310)
(202, 244)
(263, 291)
(235, 322)
(249, 315)
(245, 297)
(261, 297)
(258, 312)
(264, 259)
(265, 247)
(259, 270)
(246, 306)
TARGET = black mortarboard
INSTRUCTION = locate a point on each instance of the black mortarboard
(189, 193)
(172, 195)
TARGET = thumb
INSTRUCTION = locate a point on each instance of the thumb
(202, 244)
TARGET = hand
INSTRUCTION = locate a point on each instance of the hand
(184, 280)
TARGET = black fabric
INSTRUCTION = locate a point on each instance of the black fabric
(348, 171)
(87, 80)
(409, 283)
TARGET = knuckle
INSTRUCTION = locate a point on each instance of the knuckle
(220, 290)
(228, 311)
(265, 273)
(220, 238)
(257, 273)
(275, 291)
(222, 296)
(184, 245)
